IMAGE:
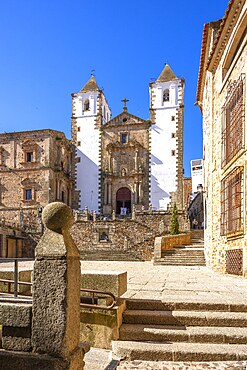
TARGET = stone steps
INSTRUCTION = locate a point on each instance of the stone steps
(185, 318)
(106, 256)
(140, 304)
(191, 334)
(181, 351)
(183, 331)
(189, 255)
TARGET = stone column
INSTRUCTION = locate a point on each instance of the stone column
(136, 159)
(109, 193)
(56, 290)
(135, 193)
(139, 192)
(110, 161)
(105, 193)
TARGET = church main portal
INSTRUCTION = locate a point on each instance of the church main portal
(123, 200)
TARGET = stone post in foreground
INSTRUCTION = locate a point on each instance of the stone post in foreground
(56, 290)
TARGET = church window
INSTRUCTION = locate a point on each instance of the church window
(86, 105)
(29, 156)
(78, 129)
(173, 135)
(78, 143)
(104, 112)
(173, 118)
(123, 138)
(125, 119)
(166, 95)
(28, 194)
(173, 152)
(62, 196)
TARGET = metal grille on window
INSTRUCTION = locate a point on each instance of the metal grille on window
(233, 115)
(234, 261)
(232, 202)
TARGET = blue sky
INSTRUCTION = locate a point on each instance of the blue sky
(49, 47)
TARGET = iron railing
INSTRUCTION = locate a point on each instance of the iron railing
(9, 296)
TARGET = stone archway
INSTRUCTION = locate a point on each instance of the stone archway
(123, 199)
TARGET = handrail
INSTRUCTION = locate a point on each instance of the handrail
(95, 306)
(85, 305)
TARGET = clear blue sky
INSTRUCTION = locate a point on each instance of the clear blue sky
(49, 47)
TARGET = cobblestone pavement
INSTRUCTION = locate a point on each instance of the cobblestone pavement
(150, 365)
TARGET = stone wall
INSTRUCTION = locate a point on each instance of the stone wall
(132, 237)
(220, 72)
(15, 242)
(35, 169)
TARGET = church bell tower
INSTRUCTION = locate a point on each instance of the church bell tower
(166, 115)
(90, 111)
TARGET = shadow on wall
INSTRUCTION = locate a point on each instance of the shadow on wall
(87, 182)
(157, 129)
(155, 160)
(159, 196)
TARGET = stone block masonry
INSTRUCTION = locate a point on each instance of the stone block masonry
(125, 238)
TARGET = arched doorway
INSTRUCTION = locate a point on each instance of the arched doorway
(123, 199)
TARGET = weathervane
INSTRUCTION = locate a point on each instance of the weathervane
(92, 72)
(125, 102)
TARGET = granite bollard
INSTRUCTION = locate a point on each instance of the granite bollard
(56, 290)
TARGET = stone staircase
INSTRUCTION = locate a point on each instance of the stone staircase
(106, 255)
(182, 331)
(186, 255)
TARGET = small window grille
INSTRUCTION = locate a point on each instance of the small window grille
(232, 202)
(233, 116)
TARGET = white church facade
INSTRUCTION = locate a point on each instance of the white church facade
(128, 161)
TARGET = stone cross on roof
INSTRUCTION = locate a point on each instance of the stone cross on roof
(125, 102)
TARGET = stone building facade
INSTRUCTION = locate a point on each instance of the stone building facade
(128, 161)
(125, 164)
(35, 169)
(221, 95)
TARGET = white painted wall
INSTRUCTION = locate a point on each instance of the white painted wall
(88, 148)
(163, 163)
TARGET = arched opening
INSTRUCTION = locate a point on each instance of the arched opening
(123, 200)
(86, 105)
(166, 95)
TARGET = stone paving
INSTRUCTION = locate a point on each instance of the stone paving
(150, 365)
(168, 283)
